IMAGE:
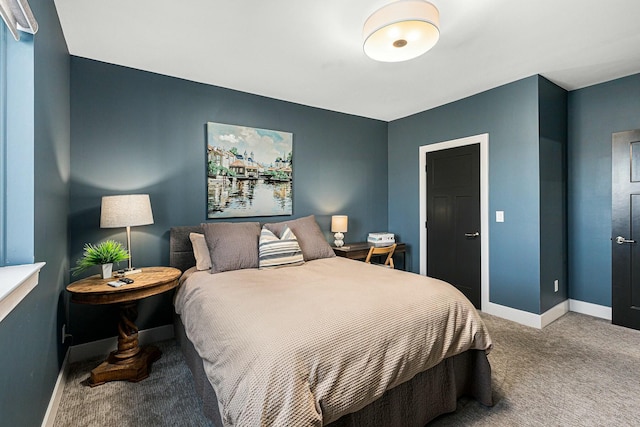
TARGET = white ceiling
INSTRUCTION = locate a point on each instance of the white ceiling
(310, 52)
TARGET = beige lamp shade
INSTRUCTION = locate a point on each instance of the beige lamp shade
(401, 31)
(339, 223)
(125, 211)
(128, 211)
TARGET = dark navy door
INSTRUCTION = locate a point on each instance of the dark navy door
(453, 218)
(625, 229)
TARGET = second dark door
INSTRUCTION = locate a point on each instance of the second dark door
(453, 218)
(625, 229)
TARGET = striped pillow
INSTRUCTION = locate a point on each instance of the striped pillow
(282, 252)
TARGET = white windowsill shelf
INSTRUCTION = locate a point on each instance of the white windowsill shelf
(15, 284)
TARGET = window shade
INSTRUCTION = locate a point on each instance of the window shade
(18, 17)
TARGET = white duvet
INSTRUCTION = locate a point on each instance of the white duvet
(304, 345)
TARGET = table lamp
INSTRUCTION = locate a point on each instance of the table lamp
(126, 211)
(339, 226)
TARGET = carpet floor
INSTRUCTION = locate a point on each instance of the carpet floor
(578, 371)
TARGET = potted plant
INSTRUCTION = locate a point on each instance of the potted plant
(103, 254)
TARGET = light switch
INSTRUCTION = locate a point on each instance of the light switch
(499, 216)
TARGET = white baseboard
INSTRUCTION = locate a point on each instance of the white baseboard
(526, 318)
(88, 350)
(541, 320)
(56, 396)
(554, 313)
(590, 309)
(515, 315)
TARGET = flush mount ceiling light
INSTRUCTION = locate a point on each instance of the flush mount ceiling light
(401, 31)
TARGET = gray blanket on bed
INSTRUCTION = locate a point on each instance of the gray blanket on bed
(304, 345)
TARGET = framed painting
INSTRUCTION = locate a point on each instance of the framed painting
(249, 171)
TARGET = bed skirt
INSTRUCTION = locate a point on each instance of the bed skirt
(414, 403)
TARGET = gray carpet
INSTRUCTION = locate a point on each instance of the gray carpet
(165, 398)
(578, 371)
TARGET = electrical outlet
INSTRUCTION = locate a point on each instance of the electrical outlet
(555, 285)
(65, 335)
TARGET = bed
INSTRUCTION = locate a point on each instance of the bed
(324, 340)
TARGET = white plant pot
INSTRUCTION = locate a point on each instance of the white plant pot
(107, 269)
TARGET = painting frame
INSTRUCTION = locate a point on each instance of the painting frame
(249, 171)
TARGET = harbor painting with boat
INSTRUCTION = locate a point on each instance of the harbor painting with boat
(249, 171)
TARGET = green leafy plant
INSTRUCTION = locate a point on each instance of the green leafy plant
(106, 252)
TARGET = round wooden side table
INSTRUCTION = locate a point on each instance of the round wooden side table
(130, 361)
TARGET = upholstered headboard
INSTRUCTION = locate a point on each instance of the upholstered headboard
(180, 249)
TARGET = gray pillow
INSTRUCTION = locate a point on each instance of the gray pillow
(232, 245)
(310, 237)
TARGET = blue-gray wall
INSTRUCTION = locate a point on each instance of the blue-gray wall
(509, 114)
(31, 351)
(139, 132)
(595, 113)
(552, 115)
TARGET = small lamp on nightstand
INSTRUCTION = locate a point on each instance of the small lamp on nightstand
(339, 226)
(126, 211)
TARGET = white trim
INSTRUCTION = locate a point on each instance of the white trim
(107, 345)
(56, 396)
(515, 315)
(15, 284)
(88, 350)
(554, 313)
(590, 309)
(526, 318)
(483, 140)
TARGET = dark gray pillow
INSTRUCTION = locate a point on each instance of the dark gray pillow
(310, 237)
(232, 245)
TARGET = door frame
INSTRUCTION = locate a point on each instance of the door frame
(483, 140)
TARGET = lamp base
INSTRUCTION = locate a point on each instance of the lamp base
(132, 271)
(338, 242)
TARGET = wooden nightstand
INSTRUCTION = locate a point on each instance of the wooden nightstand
(129, 362)
(360, 250)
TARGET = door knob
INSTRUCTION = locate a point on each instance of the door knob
(472, 235)
(620, 240)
